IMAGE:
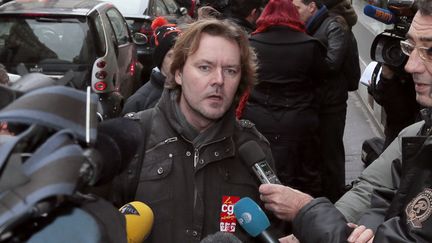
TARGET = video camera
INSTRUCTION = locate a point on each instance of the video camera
(386, 46)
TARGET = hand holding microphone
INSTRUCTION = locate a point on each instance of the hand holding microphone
(139, 221)
(283, 201)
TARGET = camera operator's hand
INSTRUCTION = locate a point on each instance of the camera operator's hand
(386, 72)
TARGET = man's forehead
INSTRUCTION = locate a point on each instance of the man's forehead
(421, 28)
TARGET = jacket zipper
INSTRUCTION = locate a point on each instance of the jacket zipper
(166, 141)
(196, 158)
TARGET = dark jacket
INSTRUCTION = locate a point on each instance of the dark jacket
(334, 33)
(184, 180)
(288, 76)
(148, 95)
(395, 216)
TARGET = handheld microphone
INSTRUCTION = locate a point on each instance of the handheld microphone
(139, 221)
(252, 154)
(117, 142)
(382, 15)
(253, 220)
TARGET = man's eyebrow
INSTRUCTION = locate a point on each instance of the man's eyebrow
(426, 38)
(421, 38)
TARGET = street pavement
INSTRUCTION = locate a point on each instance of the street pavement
(359, 126)
(360, 122)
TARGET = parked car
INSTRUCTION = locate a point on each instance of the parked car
(139, 15)
(89, 37)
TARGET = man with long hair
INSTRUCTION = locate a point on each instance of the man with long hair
(189, 172)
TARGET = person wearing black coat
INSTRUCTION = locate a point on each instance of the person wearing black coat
(283, 104)
(334, 32)
(148, 95)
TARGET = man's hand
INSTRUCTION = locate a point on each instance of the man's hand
(283, 201)
(360, 234)
(386, 72)
(289, 239)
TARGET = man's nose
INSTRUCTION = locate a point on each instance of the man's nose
(414, 64)
(218, 77)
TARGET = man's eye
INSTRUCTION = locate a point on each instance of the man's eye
(429, 53)
(204, 68)
(231, 71)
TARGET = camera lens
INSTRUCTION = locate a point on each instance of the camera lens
(392, 53)
(386, 49)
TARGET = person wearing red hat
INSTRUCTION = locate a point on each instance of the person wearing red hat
(164, 37)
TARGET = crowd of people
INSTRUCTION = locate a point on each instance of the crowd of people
(276, 72)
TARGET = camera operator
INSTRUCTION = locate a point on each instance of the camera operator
(394, 191)
(395, 93)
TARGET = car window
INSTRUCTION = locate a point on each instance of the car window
(162, 7)
(130, 7)
(44, 40)
(100, 38)
(119, 26)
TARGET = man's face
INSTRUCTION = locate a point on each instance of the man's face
(420, 34)
(305, 11)
(209, 80)
(166, 63)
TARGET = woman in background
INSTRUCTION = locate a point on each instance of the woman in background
(282, 105)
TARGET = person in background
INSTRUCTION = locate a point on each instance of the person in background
(334, 32)
(283, 103)
(189, 171)
(164, 37)
(401, 111)
(244, 13)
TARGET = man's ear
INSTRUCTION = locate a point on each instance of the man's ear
(312, 7)
(254, 15)
(178, 77)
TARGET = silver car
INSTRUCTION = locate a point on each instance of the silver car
(89, 37)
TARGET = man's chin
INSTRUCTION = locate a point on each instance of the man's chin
(424, 100)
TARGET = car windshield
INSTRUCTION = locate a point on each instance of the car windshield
(44, 44)
(165, 7)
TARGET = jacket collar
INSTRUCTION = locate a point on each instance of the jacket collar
(314, 22)
(221, 130)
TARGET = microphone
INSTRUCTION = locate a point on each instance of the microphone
(253, 220)
(117, 142)
(252, 154)
(382, 15)
(220, 237)
(139, 221)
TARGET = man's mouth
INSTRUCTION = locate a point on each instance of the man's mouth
(216, 98)
(421, 87)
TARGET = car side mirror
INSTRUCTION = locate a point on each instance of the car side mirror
(182, 11)
(139, 38)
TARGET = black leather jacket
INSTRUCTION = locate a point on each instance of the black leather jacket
(334, 33)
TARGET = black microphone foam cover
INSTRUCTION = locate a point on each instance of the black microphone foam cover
(117, 142)
(251, 153)
(221, 237)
